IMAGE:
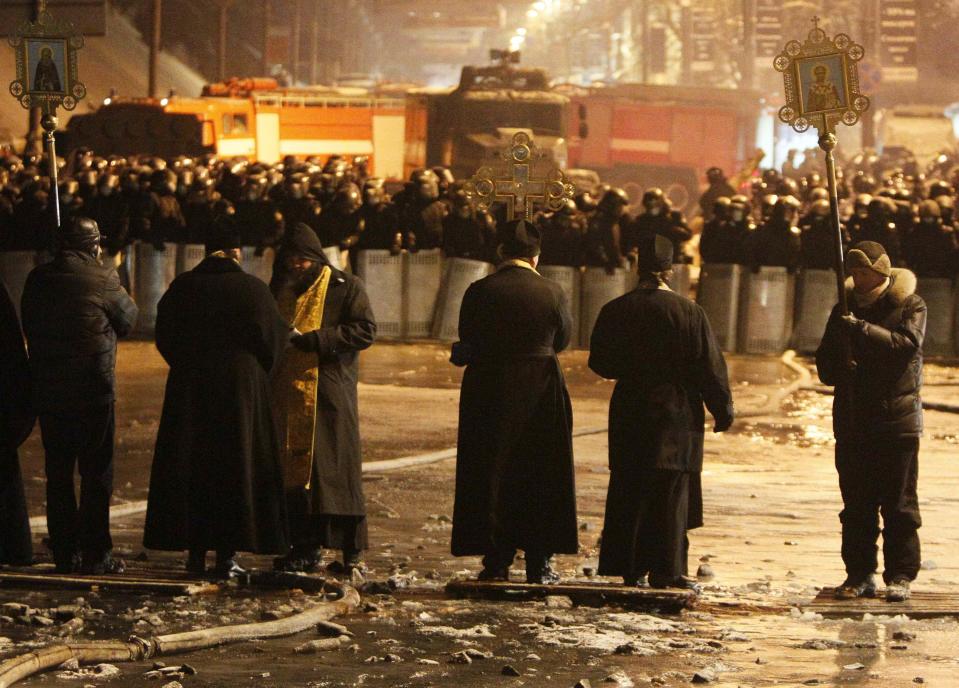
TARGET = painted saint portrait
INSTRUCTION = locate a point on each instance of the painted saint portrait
(821, 84)
(46, 66)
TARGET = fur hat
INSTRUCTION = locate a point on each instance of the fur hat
(869, 254)
(655, 254)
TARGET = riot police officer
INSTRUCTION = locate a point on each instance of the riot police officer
(723, 237)
(258, 221)
(658, 218)
(777, 242)
(719, 187)
(562, 236)
(381, 229)
(818, 238)
(931, 247)
(603, 239)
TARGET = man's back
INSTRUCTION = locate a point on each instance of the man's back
(73, 311)
(213, 310)
(514, 312)
(651, 337)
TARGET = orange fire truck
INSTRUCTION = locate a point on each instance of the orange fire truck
(251, 118)
(634, 136)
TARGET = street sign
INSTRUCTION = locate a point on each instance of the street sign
(897, 40)
(89, 17)
(704, 39)
(769, 29)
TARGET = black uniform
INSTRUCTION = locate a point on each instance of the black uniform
(670, 224)
(660, 349)
(931, 250)
(877, 421)
(724, 241)
(775, 244)
(818, 241)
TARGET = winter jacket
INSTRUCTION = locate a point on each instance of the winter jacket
(73, 310)
(878, 396)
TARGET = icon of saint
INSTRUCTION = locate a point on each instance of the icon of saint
(822, 92)
(47, 76)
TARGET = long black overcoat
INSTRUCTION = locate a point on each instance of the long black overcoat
(217, 483)
(514, 464)
(661, 351)
(16, 422)
(348, 327)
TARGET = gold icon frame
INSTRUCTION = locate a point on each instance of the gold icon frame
(798, 61)
(61, 39)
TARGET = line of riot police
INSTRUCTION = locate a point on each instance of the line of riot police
(784, 222)
(157, 201)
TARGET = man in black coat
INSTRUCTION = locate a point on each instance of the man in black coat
(316, 407)
(217, 483)
(16, 422)
(73, 311)
(661, 351)
(873, 357)
(514, 463)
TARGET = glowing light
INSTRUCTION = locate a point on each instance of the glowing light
(539, 6)
(164, 102)
(107, 101)
(532, 14)
(521, 31)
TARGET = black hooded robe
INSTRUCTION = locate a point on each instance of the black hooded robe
(332, 511)
(515, 484)
(217, 483)
(16, 422)
(660, 349)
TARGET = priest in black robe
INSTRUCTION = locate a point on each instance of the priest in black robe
(514, 465)
(16, 422)
(315, 404)
(217, 482)
(661, 351)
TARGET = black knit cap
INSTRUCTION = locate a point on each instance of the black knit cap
(518, 239)
(655, 254)
(80, 234)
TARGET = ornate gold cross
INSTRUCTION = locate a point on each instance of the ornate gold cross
(518, 189)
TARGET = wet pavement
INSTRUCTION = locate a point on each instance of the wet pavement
(771, 540)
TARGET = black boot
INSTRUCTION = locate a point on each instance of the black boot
(196, 562)
(353, 561)
(496, 566)
(299, 560)
(100, 563)
(539, 571)
(66, 562)
(227, 568)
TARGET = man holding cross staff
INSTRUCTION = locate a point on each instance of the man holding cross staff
(871, 351)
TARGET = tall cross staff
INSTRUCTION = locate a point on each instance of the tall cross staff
(821, 80)
(46, 59)
(518, 188)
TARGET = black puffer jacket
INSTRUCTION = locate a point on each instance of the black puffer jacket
(73, 311)
(880, 397)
